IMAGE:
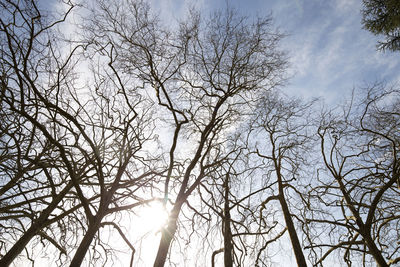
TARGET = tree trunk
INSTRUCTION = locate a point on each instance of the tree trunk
(36, 226)
(167, 236)
(374, 251)
(364, 230)
(19, 245)
(228, 247)
(86, 241)
(298, 251)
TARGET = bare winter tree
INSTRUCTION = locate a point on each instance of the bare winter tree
(27, 181)
(203, 74)
(230, 204)
(126, 111)
(71, 154)
(282, 126)
(358, 191)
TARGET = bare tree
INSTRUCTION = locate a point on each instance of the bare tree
(27, 183)
(127, 111)
(360, 183)
(203, 76)
(81, 152)
(282, 126)
(231, 197)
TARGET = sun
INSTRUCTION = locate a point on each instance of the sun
(154, 216)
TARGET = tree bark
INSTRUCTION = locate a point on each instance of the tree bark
(298, 251)
(375, 252)
(36, 226)
(167, 236)
(19, 245)
(228, 247)
(86, 241)
(365, 231)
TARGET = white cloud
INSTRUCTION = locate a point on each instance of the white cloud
(347, 5)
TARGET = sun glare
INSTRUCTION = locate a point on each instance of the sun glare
(154, 216)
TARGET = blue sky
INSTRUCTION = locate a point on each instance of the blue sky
(330, 53)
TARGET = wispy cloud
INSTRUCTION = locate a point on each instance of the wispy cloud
(329, 51)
